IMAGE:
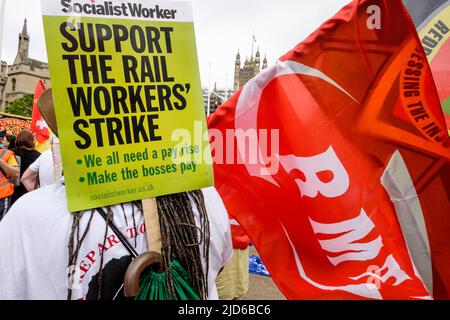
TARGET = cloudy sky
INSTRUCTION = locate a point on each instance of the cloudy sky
(222, 27)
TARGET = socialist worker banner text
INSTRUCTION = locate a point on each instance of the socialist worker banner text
(127, 97)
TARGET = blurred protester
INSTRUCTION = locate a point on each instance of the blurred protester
(2, 137)
(9, 141)
(233, 281)
(9, 171)
(26, 154)
(39, 173)
(46, 170)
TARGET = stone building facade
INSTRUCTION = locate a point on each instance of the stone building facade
(20, 78)
(242, 74)
(251, 67)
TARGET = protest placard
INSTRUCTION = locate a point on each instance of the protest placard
(128, 99)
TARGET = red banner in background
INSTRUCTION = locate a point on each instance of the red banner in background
(349, 200)
(14, 126)
(38, 124)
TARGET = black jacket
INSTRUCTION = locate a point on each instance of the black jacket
(27, 157)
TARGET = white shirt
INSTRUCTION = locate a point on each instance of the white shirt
(44, 166)
(34, 245)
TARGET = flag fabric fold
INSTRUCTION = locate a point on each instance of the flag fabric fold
(335, 161)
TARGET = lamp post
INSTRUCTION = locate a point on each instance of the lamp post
(209, 92)
(226, 88)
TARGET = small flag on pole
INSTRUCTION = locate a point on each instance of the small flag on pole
(38, 125)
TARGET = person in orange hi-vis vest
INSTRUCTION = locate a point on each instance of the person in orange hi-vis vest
(9, 171)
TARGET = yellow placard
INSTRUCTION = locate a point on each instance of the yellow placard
(128, 100)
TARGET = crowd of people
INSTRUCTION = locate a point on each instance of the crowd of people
(20, 165)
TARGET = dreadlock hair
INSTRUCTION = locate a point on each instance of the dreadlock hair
(180, 236)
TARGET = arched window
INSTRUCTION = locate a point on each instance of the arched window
(13, 84)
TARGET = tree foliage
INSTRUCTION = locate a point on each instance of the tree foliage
(22, 106)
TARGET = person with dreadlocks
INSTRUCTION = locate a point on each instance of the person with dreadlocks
(48, 253)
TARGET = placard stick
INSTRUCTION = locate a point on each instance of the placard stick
(151, 218)
(152, 258)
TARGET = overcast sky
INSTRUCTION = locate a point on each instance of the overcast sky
(222, 27)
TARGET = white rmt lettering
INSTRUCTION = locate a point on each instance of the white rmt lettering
(311, 167)
(349, 243)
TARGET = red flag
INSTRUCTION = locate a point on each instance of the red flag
(38, 124)
(335, 161)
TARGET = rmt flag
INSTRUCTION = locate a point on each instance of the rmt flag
(336, 162)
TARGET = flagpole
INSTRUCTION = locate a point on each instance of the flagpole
(226, 89)
(209, 91)
(253, 42)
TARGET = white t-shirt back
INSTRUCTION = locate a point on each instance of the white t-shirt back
(44, 166)
(34, 239)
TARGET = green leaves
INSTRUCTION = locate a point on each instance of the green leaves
(22, 106)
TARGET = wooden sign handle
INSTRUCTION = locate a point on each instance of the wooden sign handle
(152, 258)
(151, 218)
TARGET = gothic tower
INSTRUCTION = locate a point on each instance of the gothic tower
(237, 71)
(264, 66)
(257, 62)
(252, 66)
(23, 75)
(24, 44)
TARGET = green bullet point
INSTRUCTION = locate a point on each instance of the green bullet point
(79, 162)
(82, 180)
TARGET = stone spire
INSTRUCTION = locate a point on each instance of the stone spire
(264, 66)
(257, 61)
(25, 28)
(237, 71)
(24, 44)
